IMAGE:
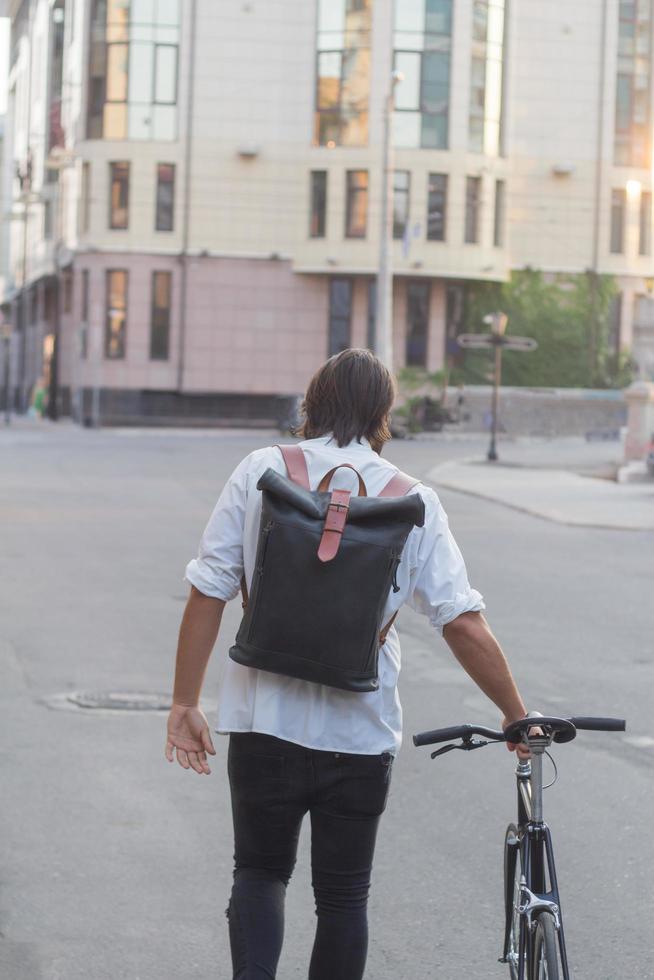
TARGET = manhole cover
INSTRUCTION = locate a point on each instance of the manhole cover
(121, 700)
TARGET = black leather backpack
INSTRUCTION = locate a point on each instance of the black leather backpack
(325, 564)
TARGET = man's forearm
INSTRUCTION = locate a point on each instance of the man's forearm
(474, 646)
(197, 636)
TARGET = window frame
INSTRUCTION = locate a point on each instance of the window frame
(406, 192)
(645, 223)
(350, 196)
(318, 215)
(107, 332)
(158, 224)
(119, 163)
(154, 309)
(331, 347)
(499, 213)
(410, 360)
(476, 213)
(444, 192)
(617, 231)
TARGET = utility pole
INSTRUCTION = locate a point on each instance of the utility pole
(384, 313)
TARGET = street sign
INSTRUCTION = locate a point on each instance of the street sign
(519, 343)
(478, 341)
(485, 341)
(495, 340)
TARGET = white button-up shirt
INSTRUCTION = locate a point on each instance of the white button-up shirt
(431, 576)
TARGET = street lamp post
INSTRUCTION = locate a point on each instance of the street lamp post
(497, 342)
(498, 322)
(384, 315)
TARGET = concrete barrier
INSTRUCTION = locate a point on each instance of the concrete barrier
(548, 412)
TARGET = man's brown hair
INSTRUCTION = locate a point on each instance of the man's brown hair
(351, 395)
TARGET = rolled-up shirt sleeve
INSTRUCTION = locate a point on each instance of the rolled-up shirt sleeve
(439, 581)
(218, 569)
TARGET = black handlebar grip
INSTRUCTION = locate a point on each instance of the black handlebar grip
(600, 724)
(441, 735)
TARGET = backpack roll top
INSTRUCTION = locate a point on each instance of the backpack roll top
(325, 564)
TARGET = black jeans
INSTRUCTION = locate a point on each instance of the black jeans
(273, 784)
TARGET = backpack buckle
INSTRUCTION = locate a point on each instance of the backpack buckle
(334, 525)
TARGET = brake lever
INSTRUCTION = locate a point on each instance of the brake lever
(467, 745)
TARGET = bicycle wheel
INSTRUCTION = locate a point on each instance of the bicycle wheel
(545, 963)
(512, 872)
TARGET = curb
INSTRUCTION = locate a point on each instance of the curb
(435, 479)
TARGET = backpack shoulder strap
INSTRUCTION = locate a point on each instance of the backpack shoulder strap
(296, 465)
(399, 485)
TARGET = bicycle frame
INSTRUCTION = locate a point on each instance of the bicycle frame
(533, 845)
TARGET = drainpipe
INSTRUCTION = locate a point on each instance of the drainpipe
(183, 283)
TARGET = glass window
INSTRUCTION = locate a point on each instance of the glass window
(160, 316)
(356, 214)
(165, 196)
(645, 236)
(133, 54)
(417, 323)
(119, 195)
(165, 74)
(618, 205)
(115, 313)
(498, 224)
(117, 55)
(422, 41)
(343, 72)
(84, 324)
(473, 191)
(486, 77)
(340, 314)
(632, 86)
(318, 203)
(401, 185)
(436, 207)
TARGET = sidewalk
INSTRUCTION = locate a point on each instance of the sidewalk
(553, 494)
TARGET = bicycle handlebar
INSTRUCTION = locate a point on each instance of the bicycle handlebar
(600, 724)
(456, 731)
(462, 731)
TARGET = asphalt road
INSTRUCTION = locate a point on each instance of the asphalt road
(114, 864)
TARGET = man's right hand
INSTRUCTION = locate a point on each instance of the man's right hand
(189, 735)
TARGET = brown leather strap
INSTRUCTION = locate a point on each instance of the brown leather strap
(244, 592)
(296, 465)
(385, 630)
(324, 483)
(332, 531)
(399, 485)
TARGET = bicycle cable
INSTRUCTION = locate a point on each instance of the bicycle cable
(556, 771)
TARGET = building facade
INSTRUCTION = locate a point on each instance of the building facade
(197, 187)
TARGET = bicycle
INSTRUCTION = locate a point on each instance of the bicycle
(534, 941)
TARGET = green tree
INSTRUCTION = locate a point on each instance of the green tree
(570, 318)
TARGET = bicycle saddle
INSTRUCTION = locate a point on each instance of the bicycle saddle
(561, 729)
